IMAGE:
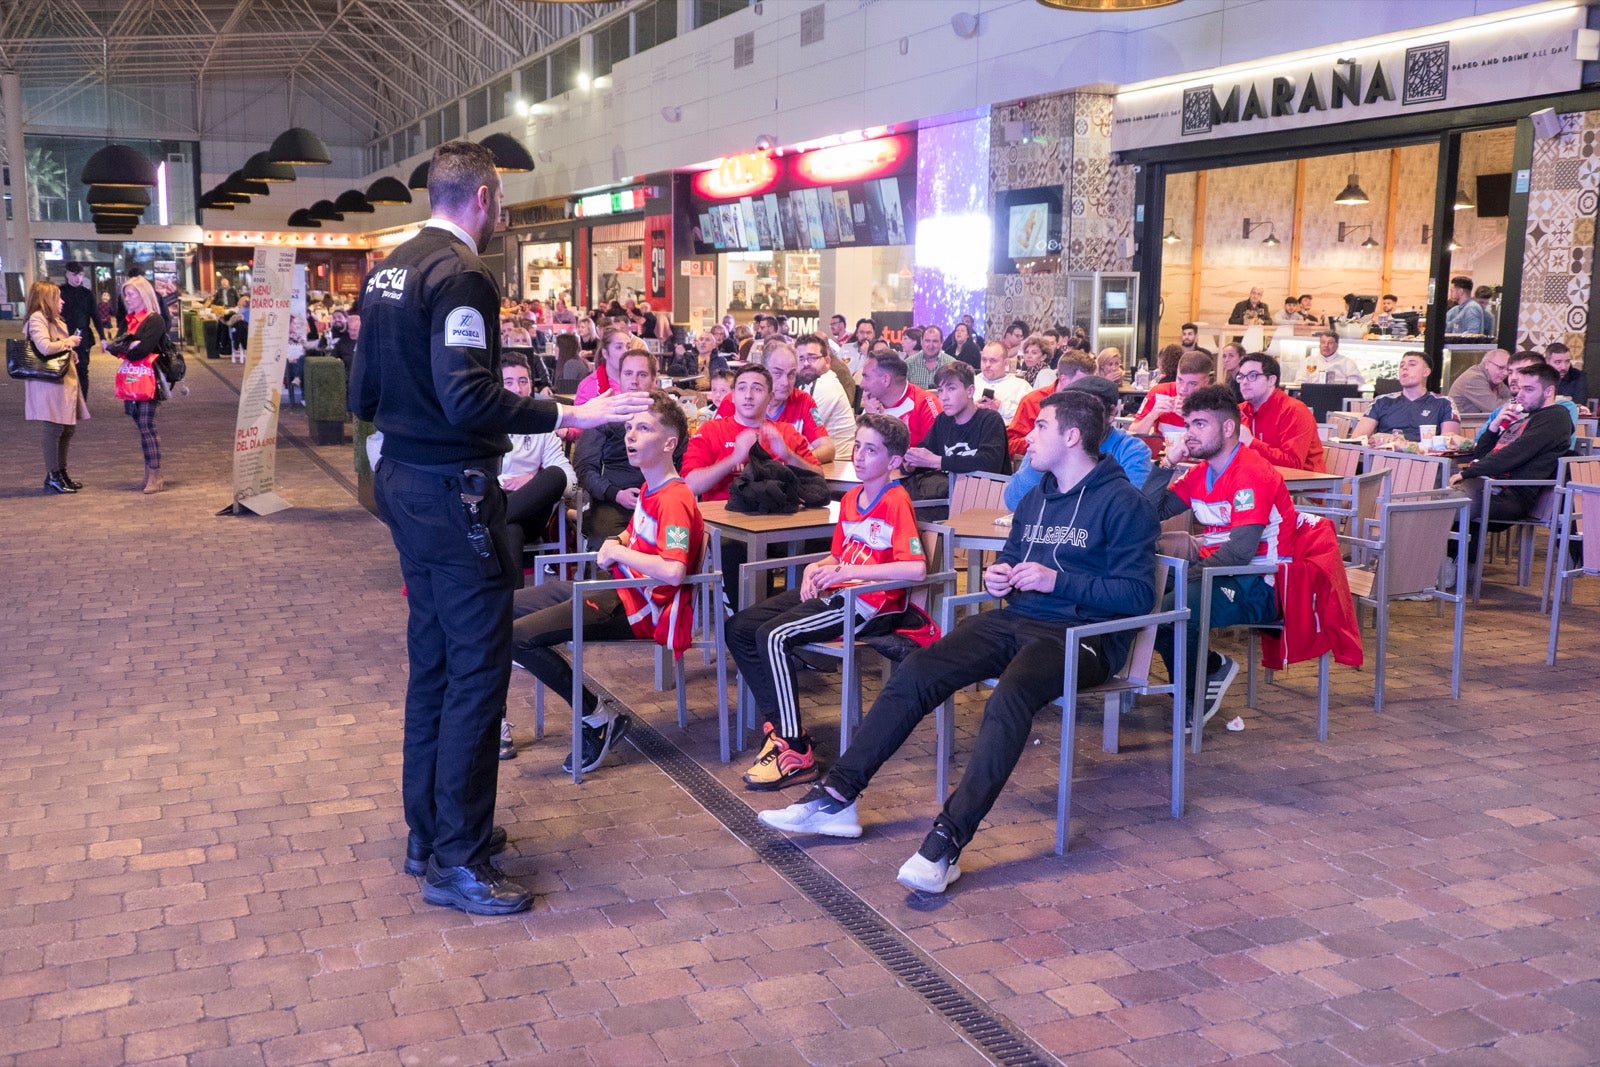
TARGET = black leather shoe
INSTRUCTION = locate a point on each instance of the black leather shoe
(481, 889)
(71, 482)
(417, 853)
(54, 483)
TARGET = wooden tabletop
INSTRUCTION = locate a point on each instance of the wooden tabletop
(840, 474)
(717, 513)
(979, 523)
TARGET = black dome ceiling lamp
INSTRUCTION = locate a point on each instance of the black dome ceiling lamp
(387, 190)
(419, 176)
(261, 169)
(299, 147)
(119, 166)
(324, 210)
(103, 196)
(351, 202)
(509, 155)
(302, 220)
(240, 184)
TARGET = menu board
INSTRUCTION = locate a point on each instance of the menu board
(879, 211)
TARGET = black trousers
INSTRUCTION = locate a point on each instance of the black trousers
(531, 506)
(82, 360)
(1025, 654)
(458, 640)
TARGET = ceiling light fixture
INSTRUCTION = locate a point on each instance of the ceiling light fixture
(351, 202)
(1352, 193)
(299, 147)
(419, 176)
(1463, 201)
(119, 166)
(259, 168)
(324, 210)
(1171, 236)
(101, 197)
(509, 155)
(1106, 5)
(388, 190)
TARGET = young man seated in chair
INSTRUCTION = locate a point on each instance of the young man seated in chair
(875, 540)
(664, 541)
(1082, 550)
(1245, 516)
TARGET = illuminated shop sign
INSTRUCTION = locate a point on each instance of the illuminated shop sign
(597, 204)
(1506, 57)
(860, 193)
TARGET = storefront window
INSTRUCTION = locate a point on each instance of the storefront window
(618, 262)
(547, 270)
(56, 195)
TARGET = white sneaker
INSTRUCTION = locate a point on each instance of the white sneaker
(818, 812)
(933, 868)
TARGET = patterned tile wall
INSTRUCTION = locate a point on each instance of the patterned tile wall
(1558, 259)
(1070, 146)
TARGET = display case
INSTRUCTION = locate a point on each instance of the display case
(1106, 304)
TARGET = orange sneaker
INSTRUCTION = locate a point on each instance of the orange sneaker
(781, 763)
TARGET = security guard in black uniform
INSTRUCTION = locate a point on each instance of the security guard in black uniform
(427, 374)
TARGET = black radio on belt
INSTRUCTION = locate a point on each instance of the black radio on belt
(474, 484)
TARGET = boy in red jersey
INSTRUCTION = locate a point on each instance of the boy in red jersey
(1242, 506)
(719, 449)
(664, 540)
(875, 540)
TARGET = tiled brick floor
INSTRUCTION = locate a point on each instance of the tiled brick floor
(199, 720)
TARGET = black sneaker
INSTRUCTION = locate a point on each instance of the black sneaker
(1217, 683)
(598, 739)
(934, 868)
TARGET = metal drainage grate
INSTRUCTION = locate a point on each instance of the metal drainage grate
(990, 1033)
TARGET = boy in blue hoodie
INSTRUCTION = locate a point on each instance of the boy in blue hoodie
(1081, 550)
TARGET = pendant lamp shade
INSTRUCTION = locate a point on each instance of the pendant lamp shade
(116, 212)
(324, 210)
(240, 184)
(119, 166)
(219, 195)
(214, 203)
(133, 196)
(1352, 192)
(351, 202)
(302, 220)
(1106, 5)
(258, 168)
(419, 176)
(388, 190)
(299, 147)
(509, 155)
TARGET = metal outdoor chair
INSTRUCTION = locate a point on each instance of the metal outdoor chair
(1202, 617)
(1406, 551)
(847, 650)
(708, 634)
(1577, 498)
(1131, 681)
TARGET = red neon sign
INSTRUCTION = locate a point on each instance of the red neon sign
(753, 172)
(853, 162)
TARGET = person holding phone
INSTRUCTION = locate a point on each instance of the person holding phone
(59, 405)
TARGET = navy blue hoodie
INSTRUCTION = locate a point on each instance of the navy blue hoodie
(1100, 539)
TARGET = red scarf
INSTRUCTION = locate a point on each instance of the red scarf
(135, 318)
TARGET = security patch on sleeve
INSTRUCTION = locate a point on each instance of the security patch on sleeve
(464, 329)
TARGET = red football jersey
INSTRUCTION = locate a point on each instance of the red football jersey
(885, 533)
(1248, 493)
(666, 522)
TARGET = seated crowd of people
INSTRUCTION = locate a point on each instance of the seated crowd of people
(1089, 499)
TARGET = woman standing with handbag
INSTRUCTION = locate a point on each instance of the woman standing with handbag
(59, 405)
(138, 349)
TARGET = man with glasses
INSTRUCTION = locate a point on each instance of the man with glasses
(1482, 388)
(1276, 425)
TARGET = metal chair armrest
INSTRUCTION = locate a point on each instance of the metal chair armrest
(778, 564)
(1132, 622)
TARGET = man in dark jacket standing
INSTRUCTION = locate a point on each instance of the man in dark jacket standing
(77, 311)
(427, 374)
(1081, 550)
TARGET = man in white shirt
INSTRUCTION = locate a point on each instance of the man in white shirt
(1333, 365)
(995, 389)
(855, 353)
(815, 376)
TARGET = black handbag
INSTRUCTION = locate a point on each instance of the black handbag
(24, 361)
